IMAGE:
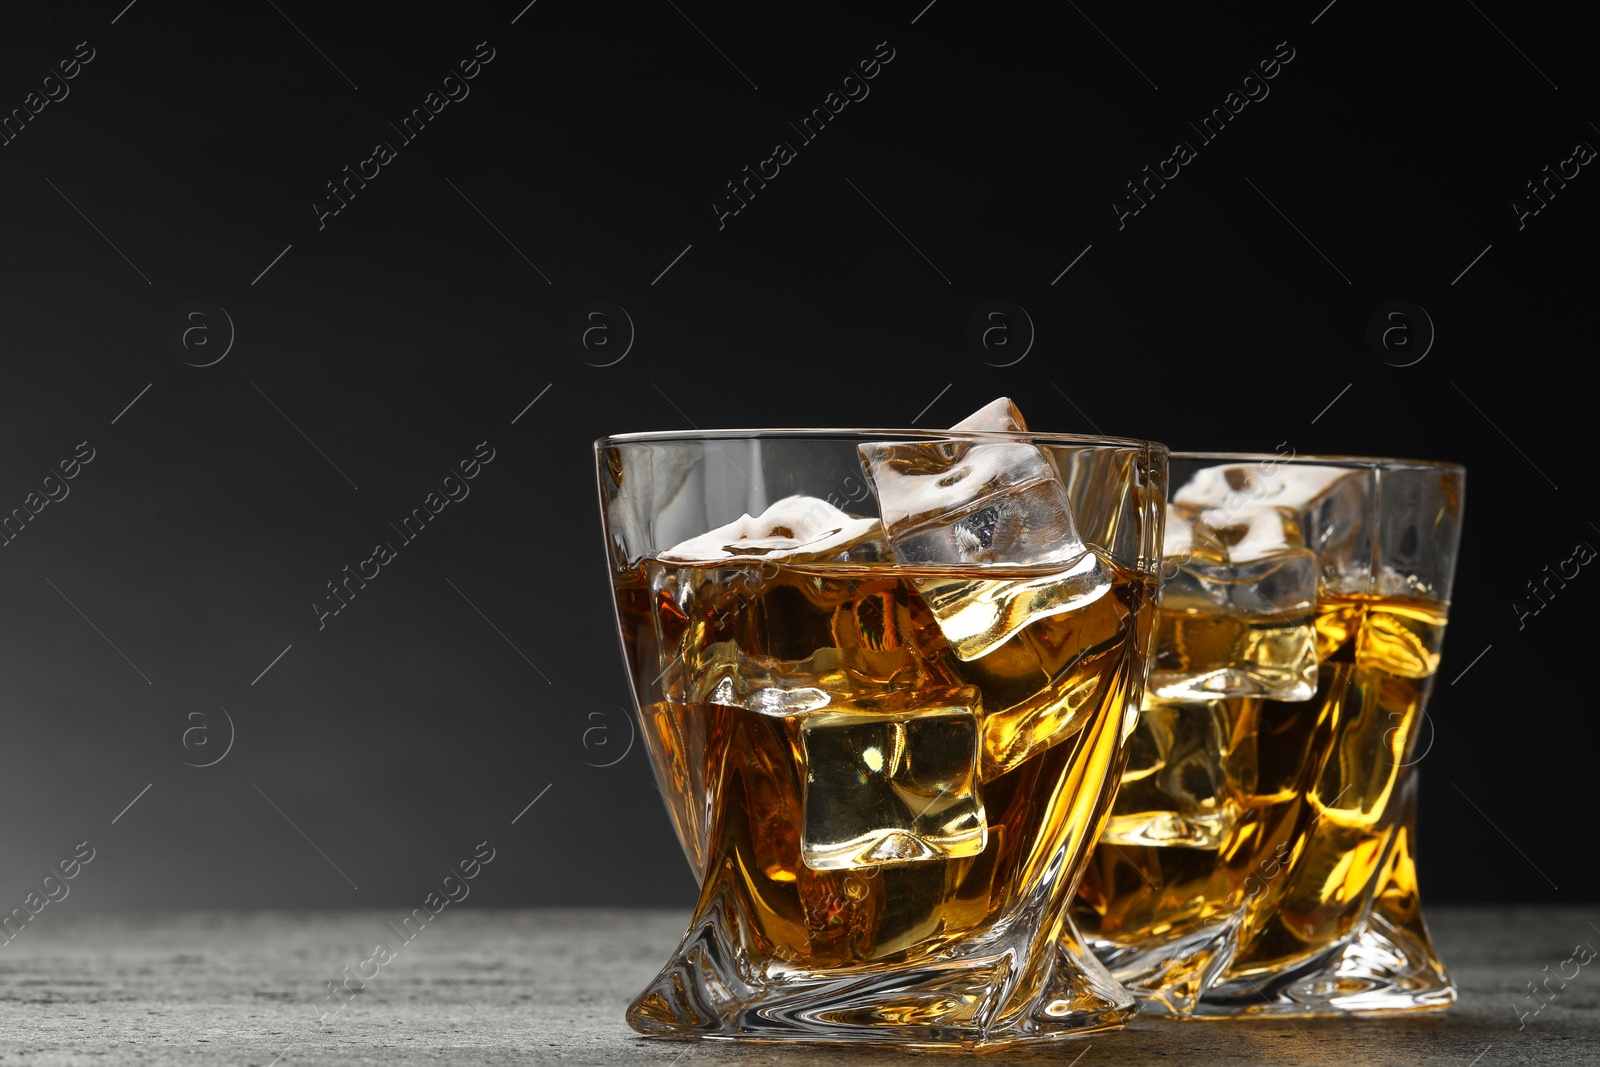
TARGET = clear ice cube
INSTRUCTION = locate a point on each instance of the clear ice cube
(974, 503)
(711, 609)
(1040, 688)
(723, 673)
(891, 788)
(999, 414)
(1248, 546)
(1190, 765)
(1328, 504)
(1236, 606)
(795, 528)
(782, 642)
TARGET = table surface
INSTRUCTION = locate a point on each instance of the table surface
(549, 986)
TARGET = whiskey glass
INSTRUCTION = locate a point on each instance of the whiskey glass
(886, 680)
(1260, 854)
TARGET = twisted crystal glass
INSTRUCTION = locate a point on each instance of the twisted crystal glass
(886, 680)
(1259, 858)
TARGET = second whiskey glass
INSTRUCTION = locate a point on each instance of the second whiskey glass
(1259, 858)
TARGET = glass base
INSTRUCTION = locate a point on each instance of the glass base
(1382, 968)
(984, 998)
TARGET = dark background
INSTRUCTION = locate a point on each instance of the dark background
(480, 671)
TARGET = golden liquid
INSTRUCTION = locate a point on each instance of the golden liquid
(1255, 655)
(1325, 825)
(1042, 720)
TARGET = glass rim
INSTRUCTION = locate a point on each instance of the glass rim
(880, 434)
(1381, 462)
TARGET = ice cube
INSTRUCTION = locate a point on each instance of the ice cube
(723, 673)
(1236, 606)
(1001, 414)
(714, 599)
(1329, 505)
(891, 788)
(1284, 485)
(971, 502)
(779, 641)
(1043, 686)
(795, 528)
(1190, 766)
(974, 503)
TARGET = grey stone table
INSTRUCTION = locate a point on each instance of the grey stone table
(533, 987)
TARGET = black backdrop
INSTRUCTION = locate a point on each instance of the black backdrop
(165, 204)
